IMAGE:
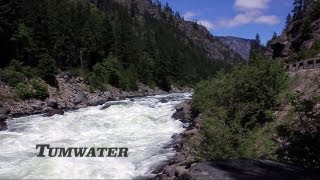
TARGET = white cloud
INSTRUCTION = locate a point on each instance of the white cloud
(189, 15)
(249, 12)
(239, 19)
(209, 25)
(248, 18)
(251, 4)
(268, 19)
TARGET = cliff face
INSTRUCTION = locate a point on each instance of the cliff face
(198, 34)
(300, 39)
(239, 45)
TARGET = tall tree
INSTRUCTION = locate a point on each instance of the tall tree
(288, 20)
(257, 39)
(297, 10)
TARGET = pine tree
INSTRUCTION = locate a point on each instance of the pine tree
(255, 49)
(288, 20)
(274, 36)
(257, 39)
(297, 10)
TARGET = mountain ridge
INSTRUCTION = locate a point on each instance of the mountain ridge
(196, 32)
(240, 45)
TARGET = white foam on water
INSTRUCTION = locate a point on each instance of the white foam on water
(144, 126)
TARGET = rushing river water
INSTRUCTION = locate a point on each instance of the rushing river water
(144, 126)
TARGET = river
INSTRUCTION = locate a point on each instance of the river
(144, 125)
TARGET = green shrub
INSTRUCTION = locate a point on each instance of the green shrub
(237, 106)
(28, 71)
(96, 83)
(302, 132)
(47, 69)
(11, 77)
(40, 90)
(110, 71)
(128, 79)
(23, 91)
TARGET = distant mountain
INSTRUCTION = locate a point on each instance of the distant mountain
(239, 45)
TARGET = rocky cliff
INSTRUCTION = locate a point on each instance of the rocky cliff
(301, 37)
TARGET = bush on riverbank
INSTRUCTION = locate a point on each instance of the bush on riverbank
(302, 132)
(36, 89)
(237, 110)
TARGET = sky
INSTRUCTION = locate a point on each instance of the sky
(240, 18)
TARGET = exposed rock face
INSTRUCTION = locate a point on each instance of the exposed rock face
(238, 45)
(211, 44)
(293, 39)
(71, 93)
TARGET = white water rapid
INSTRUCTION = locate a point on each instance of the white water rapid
(144, 126)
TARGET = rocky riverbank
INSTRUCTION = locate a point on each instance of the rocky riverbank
(185, 155)
(186, 165)
(72, 93)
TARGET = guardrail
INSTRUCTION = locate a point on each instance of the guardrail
(302, 65)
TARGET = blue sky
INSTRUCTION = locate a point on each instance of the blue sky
(241, 18)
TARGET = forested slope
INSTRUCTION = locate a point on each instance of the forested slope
(105, 41)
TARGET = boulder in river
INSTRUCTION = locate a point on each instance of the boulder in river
(54, 108)
(80, 97)
(53, 103)
(183, 111)
(112, 103)
(54, 111)
(100, 98)
(4, 112)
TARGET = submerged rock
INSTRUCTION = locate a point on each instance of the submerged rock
(112, 103)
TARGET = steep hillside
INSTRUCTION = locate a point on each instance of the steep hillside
(301, 37)
(108, 42)
(239, 45)
(198, 34)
